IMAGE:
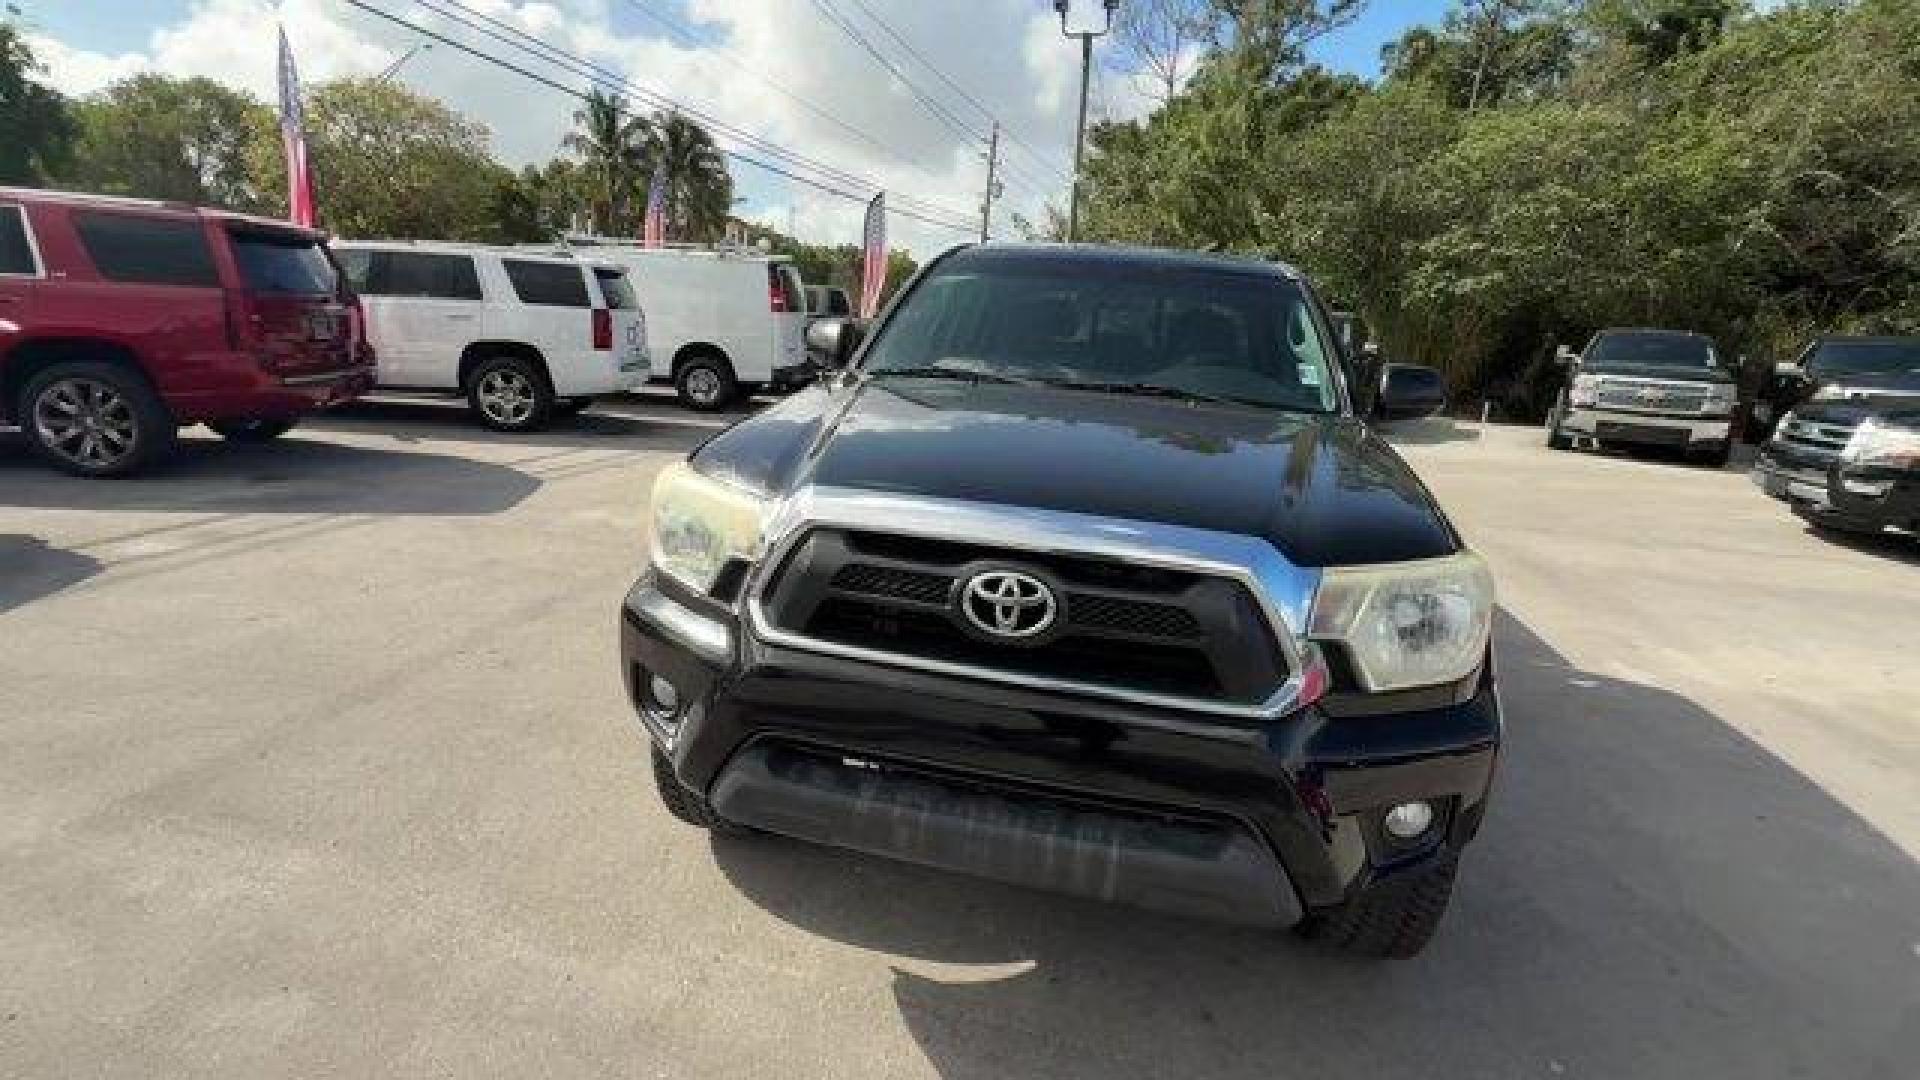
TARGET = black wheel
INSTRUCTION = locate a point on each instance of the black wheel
(254, 430)
(683, 802)
(95, 419)
(1393, 919)
(571, 406)
(706, 383)
(1712, 455)
(1556, 438)
(509, 393)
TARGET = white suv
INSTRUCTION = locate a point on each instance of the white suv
(524, 337)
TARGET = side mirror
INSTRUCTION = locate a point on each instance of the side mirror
(1408, 392)
(833, 340)
(1565, 357)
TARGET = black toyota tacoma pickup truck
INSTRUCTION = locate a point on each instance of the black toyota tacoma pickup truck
(1081, 572)
(1845, 454)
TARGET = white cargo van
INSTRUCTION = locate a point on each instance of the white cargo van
(522, 336)
(721, 323)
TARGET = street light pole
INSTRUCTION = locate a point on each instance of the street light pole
(1080, 126)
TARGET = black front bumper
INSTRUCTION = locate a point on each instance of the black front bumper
(1842, 496)
(1250, 821)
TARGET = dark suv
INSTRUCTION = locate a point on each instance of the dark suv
(1845, 453)
(122, 320)
(1082, 572)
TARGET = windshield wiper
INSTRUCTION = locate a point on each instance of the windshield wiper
(932, 372)
(1147, 389)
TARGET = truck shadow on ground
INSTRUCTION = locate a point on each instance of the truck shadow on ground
(1429, 431)
(639, 423)
(1654, 895)
(30, 568)
(1900, 547)
(292, 475)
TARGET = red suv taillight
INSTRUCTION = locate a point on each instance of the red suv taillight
(776, 296)
(603, 329)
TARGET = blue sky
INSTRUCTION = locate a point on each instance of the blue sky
(775, 70)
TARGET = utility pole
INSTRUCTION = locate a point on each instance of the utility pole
(993, 183)
(1080, 127)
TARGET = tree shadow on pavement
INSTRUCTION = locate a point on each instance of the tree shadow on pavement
(292, 475)
(1653, 895)
(30, 568)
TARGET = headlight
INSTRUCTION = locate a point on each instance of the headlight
(699, 524)
(1720, 399)
(1876, 442)
(1408, 624)
(1586, 390)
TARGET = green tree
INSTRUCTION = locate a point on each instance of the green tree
(610, 142)
(543, 202)
(390, 163)
(36, 129)
(699, 192)
(161, 138)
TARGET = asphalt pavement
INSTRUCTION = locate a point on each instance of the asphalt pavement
(314, 761)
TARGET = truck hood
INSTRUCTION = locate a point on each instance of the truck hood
(1324, 490)
(1864, 393)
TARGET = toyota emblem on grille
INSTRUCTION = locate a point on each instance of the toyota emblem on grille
(1008, 604)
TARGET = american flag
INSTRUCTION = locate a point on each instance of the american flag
(653, 230)
(293, 138)
(873, 257)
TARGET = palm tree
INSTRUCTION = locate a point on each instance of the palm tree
(699, 189)
(609, 142)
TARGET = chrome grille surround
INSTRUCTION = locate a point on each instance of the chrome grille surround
(1283, 591)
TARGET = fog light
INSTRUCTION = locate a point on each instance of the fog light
(665, 697)
(1408, 820)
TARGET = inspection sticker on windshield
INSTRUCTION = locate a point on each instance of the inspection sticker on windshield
(1309, 375)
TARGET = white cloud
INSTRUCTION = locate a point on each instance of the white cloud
(777, 71)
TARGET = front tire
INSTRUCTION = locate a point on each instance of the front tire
(509, 393)
(1556, 438)
(1394, 919)
(706, 384)
(1713, 455)
(683, 802)
(95, 419)
(253, 430)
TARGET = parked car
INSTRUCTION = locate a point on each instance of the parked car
(1083, 573)
(1847, 455)
(123, 320)
(827, 301)
(723, 322)
(1646, 388)
(523, 337)
(1826, 361)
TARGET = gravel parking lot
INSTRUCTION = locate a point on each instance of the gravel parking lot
(314, 761)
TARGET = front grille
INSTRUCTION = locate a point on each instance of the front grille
(1814, 440)
(1121, 626)
(1652, 396)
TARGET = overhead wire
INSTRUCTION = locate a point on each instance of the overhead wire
(945, 218)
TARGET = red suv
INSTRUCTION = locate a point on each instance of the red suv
(121, 320)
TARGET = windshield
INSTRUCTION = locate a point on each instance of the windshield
(1108, 323)
(1886, 356)
(1650, 350)
(272, 262)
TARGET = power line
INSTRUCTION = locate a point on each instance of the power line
(902, 41)
(608, 79)
(554, 84)
(942, 112)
